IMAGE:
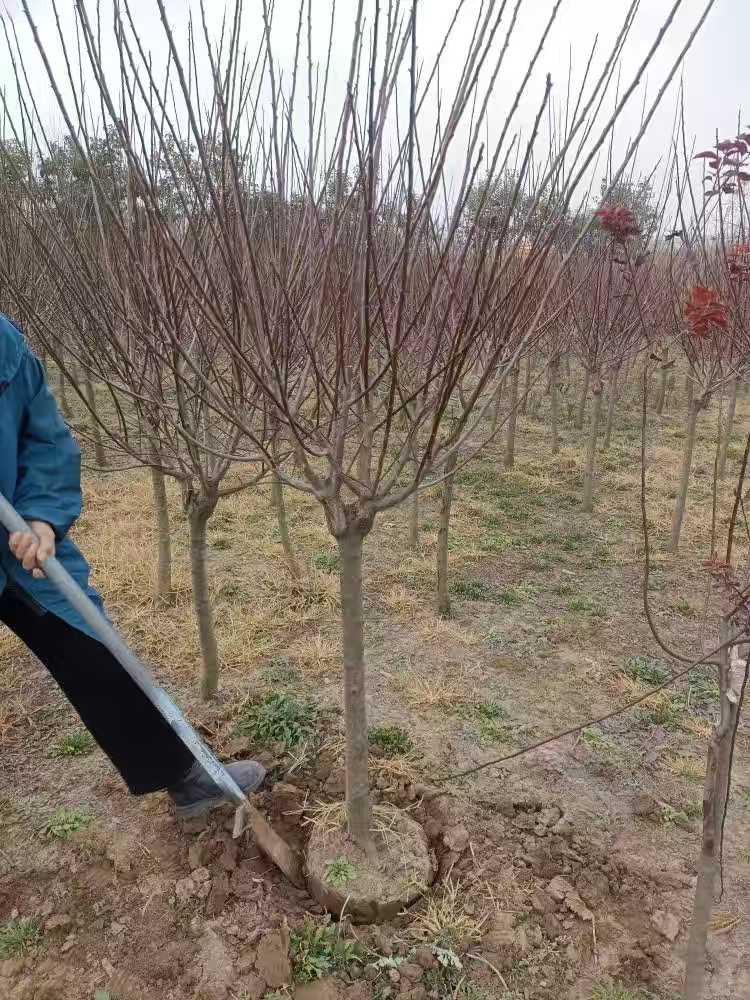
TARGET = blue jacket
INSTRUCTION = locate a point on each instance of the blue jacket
(40, 471)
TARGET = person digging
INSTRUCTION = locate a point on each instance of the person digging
(40, 474)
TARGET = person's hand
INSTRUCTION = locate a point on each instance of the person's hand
(31, 550)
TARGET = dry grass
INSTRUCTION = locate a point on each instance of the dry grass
(436, 691)
(449, 917)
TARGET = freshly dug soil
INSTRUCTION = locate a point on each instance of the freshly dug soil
(372, 894)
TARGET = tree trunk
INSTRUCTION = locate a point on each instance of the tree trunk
(510, 434)
(96, 431)
(715, 789)
(496, 408)
(200, 510)
(277, 502)
(614, 391)
(581, 414)
(689, 391)
(163, 582)
(662, 392)
(358, 808)
(446, 501)
(62, 395)
(554, 402)
(588, 472)
(526, 386)
(728, 426)
(414, 522)
(687, 459)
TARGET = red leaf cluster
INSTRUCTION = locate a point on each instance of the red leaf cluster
(738, 261)
(618, 221)
(726, 161)
(705, 309)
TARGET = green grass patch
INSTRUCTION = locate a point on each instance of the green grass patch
(472, 590)
(647, 669)
(328, 562)
(598, 742)
(390, 740)
(574, 542)
(668, 712)
(76, 743)
(582, 604)
(339, 873)
(17, 937)
(518, 595)
(618, 991)
(318, 950)
(490, 722)
(496, 542)
(65, 822)
(278, 718)
(279, 671)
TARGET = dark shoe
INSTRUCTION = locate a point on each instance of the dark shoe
(197, 792)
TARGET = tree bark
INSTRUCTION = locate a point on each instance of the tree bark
(414, 522)
(200, 509)
(496, 408)
(510, 434)
(163, 582)
(446, 502)
(277, 502)
(526, 386)
(715, 789)
(728, 427)
(662, 391)
(588, 472)
(614, 391)
(581, 413)
(554, 402)
(96, 432)
(687, 459)
(62, 395)
(358, 808)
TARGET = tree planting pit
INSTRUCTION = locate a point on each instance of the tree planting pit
(346, 882)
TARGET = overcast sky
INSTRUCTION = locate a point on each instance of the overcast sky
(716, 73)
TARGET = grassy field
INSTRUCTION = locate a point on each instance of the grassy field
(101, 892)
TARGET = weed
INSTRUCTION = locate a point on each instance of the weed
(683, 607)
(66, 822)
(604, 746)
(18, 936)
(221, 544)
(278, 718)
(518, 595)
(318, 950)
(472, 590)
(702, 692)
(647, 669)
(587, 605)
(340, 872)
(74, 744)
(490, 721)
(564, 589)
(573, 542)
(496, 542)
(390, 740)
(279, 671)
(328, 562)
(663, 710)
(619, 991)
(681, 817)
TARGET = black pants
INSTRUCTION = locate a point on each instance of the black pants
(124, 723)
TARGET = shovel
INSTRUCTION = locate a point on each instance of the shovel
(246, 815)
